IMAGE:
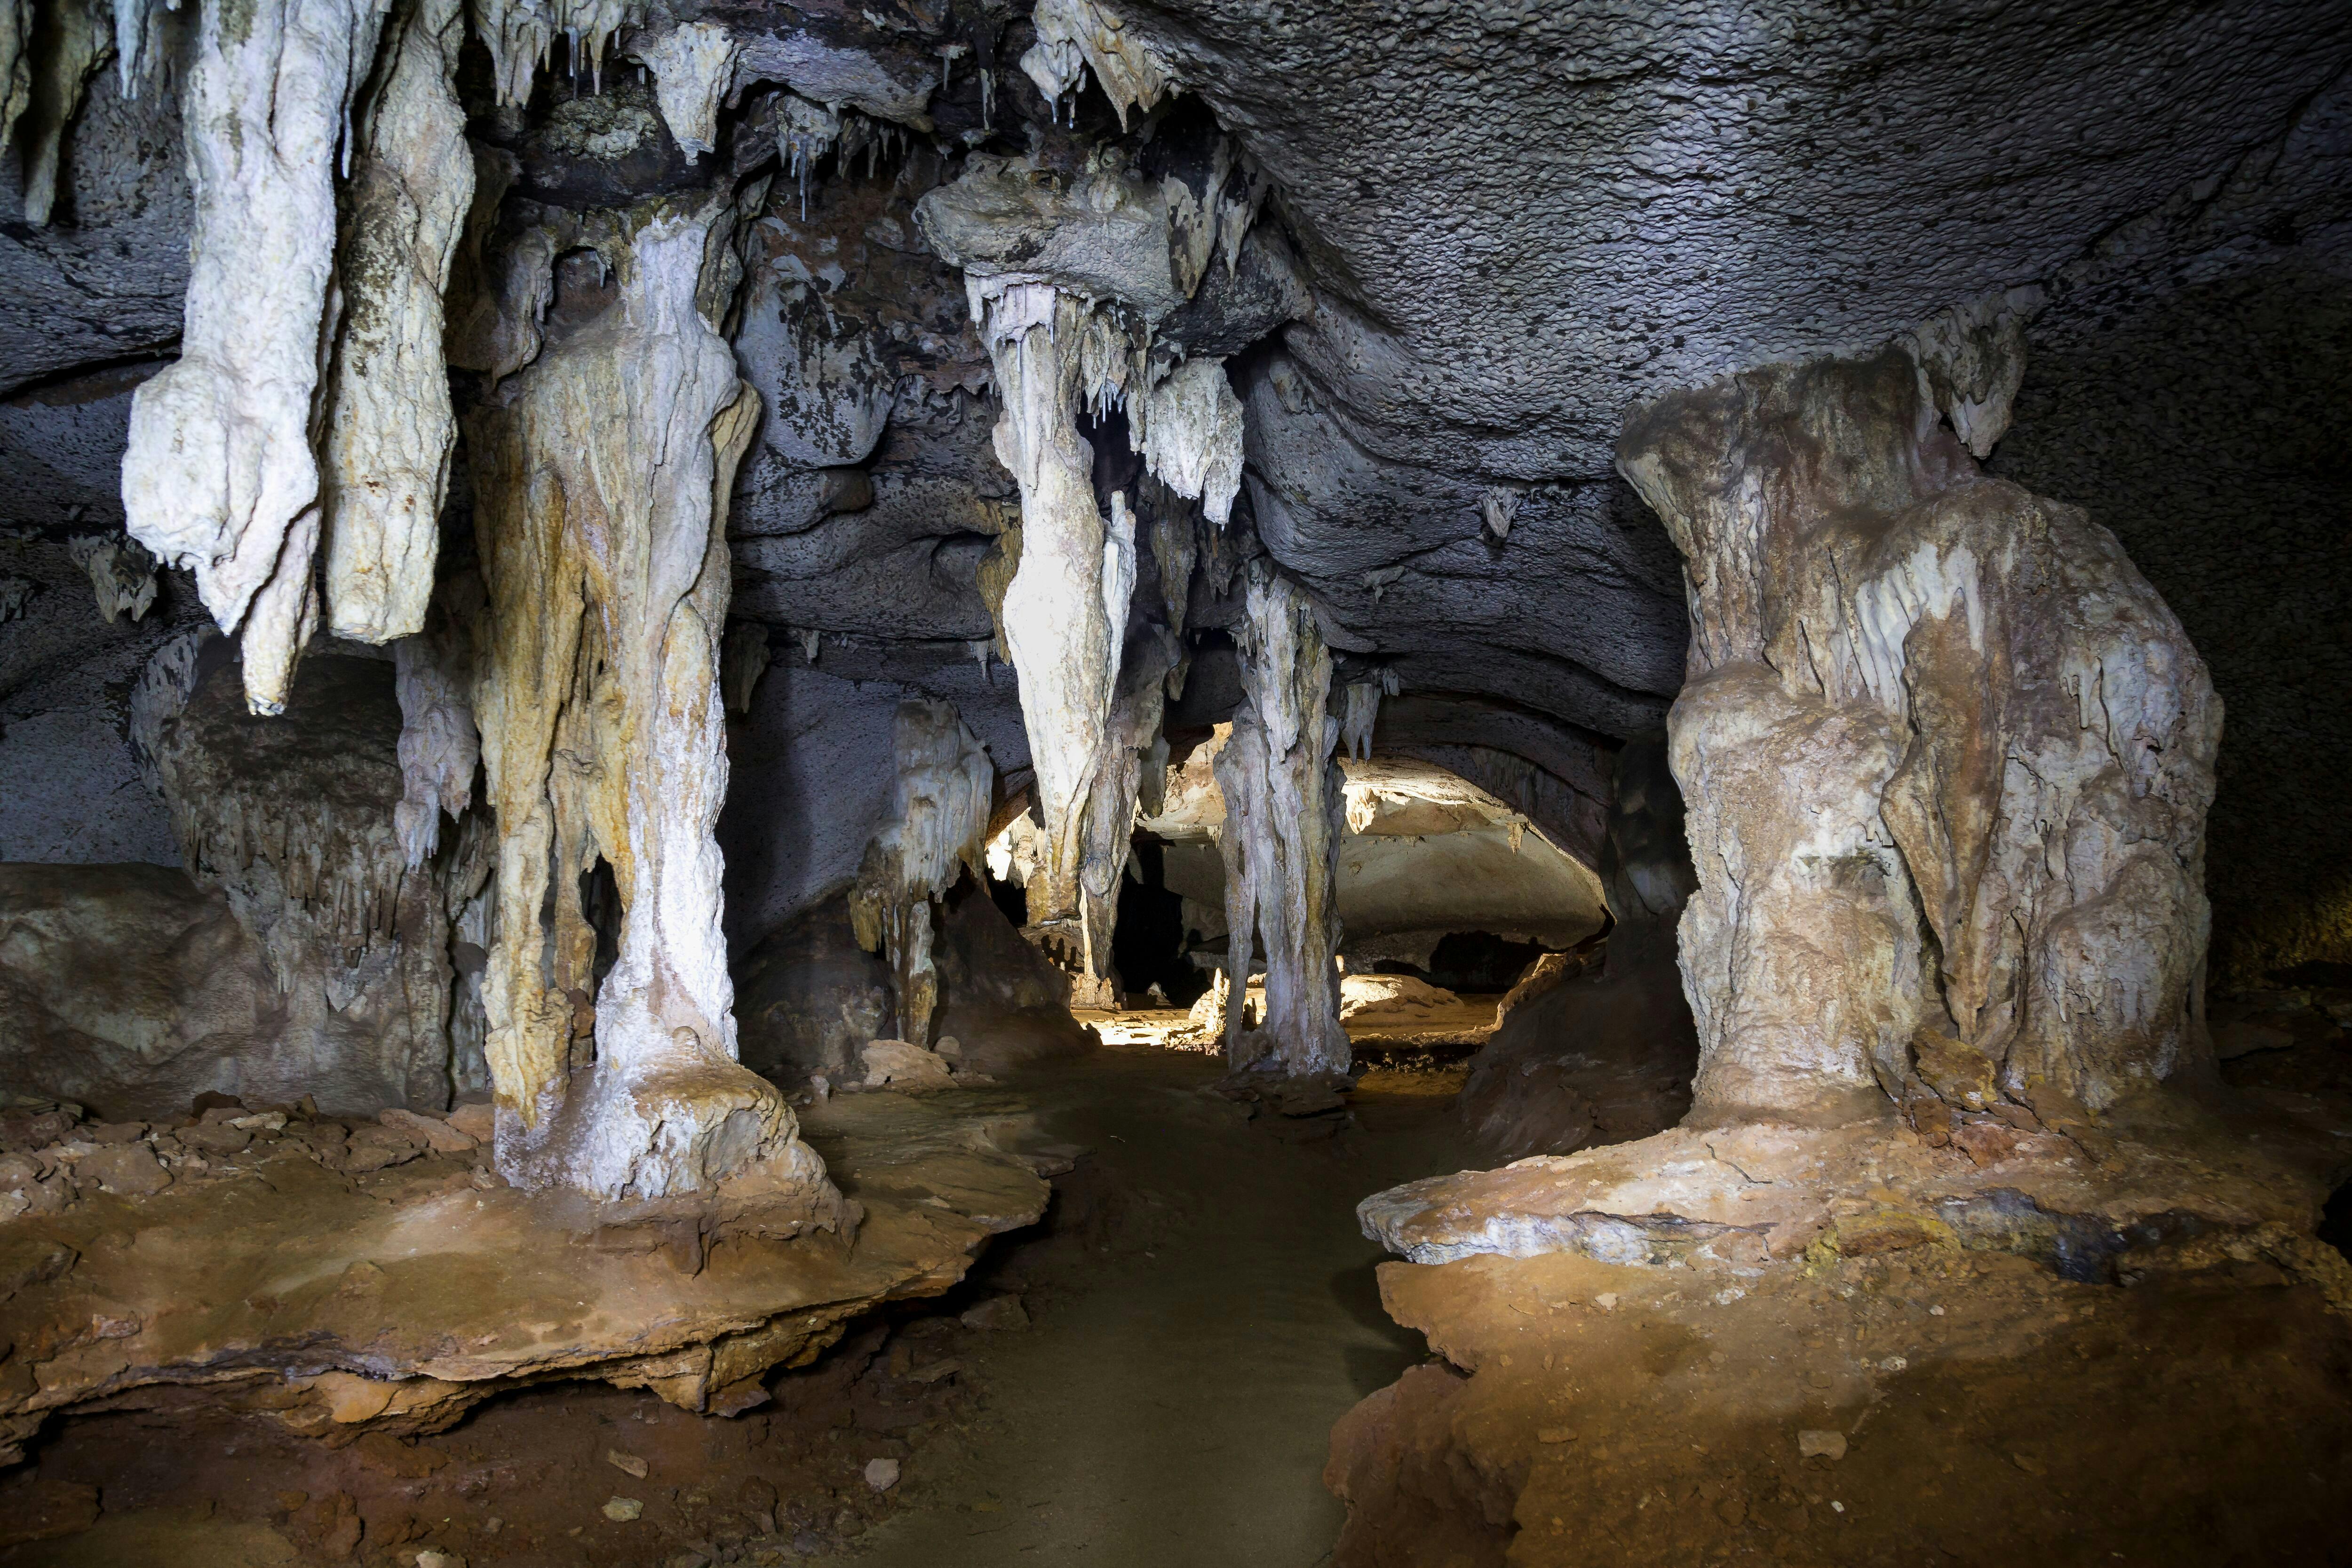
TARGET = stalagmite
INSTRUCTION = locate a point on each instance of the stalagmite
(602, 474)
(937, 829)
(1947, 758)
(692, 66)
(389, 427)
(1285, 812)
(219, 473)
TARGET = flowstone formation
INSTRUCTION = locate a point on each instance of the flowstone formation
(602, 473)
(1284, 811)
(1948, 757)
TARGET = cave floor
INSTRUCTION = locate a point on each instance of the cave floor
(1152, 1377)
(1203, 1308)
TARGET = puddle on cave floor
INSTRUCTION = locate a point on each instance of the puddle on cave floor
(1201, 1310)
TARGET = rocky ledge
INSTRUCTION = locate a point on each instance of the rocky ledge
(284, 1278)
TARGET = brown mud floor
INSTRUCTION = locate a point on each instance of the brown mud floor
(1200, 1310)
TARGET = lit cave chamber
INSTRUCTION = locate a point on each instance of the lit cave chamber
(1175, 784)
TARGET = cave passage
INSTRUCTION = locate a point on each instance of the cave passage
(1174, 782)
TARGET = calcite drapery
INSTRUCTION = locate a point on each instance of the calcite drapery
(937, 828)
(1947, 758)
(390, 427)
(1284, 811)
(219, 473)
(602, 473)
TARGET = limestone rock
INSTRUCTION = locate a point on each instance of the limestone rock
(122, 574)
(909, 1069)
(1922, 704)
(936, 832)
(1285, 812)
(219, 475)
(601, 474)
(811, 998)
(384, 457)
(132, 989)
(1370, 999)
(693, 65)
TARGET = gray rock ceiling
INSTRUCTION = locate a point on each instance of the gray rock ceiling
(1492, 229)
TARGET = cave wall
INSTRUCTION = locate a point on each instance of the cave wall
(813, 773)
(2188, 383)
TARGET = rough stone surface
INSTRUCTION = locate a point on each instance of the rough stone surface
(600, 472)
(1948, 757)
(1284, 808)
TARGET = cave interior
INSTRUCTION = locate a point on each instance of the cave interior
(1174, 782)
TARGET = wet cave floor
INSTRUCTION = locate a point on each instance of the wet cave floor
(1153, 1377)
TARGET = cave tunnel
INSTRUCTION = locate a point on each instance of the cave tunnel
(1171, 782)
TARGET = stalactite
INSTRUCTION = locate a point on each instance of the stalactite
(1065, 279)
(1075, 33)
(15, 65)
(1189, 429)
(219, 474)
(602, 475)
(521, 34)
(1284, 808)
(389, 427)
(692, 65)
(440, 749)
(1063, 610)
(937, 828)
(60, 47)
(742, 660)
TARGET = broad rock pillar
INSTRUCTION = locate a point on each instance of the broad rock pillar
(1946, 758)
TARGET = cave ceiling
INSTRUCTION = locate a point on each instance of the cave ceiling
(1486, 233)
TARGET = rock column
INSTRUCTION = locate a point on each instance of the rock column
(602, 475)
(1285, 814)
(1946, 758)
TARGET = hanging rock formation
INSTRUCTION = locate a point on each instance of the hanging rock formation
(1066, 277)
(602, 474)
(939, 829)
(220, 473)
(1948, 757)
(389, 427)
(1284, 811)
